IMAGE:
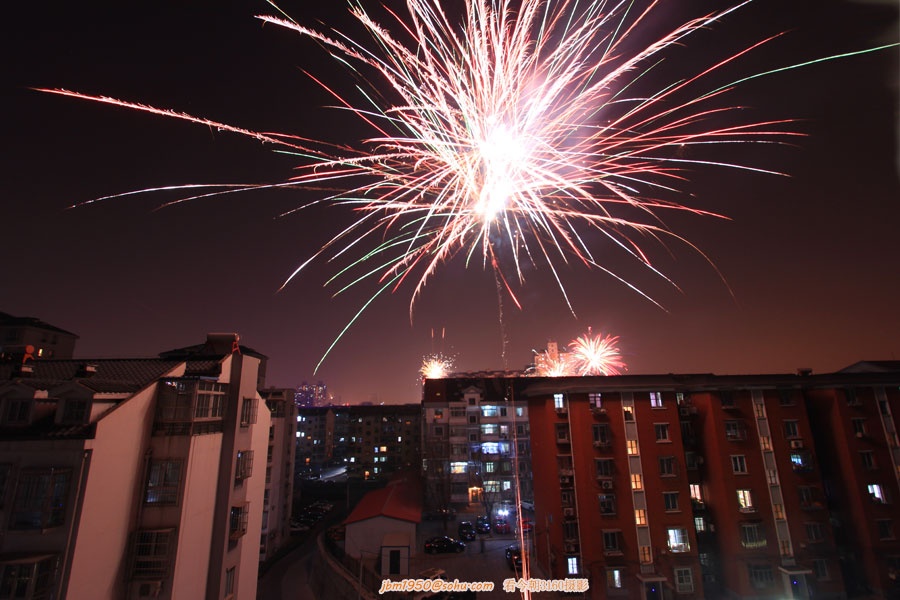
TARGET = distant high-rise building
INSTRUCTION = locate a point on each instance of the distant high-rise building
(311, 395)
(137, 478)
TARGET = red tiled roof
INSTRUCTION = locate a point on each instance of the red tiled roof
(401, 499)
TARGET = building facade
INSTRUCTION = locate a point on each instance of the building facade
(476, 442)
(758, 487)
(132, 478)
(278, 497)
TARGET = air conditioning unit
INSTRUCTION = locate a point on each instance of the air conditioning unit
(606, 484)
(796, 444)
(568, 512)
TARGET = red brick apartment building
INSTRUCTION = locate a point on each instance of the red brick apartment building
(692, 486)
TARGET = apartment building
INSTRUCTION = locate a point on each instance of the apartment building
(475, 441)
(279, 489)
(133, 478)
(372, 441)
(758, 487)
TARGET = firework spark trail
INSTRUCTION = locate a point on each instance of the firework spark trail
(514, 135)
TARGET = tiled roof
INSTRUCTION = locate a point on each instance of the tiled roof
(401, 499)
(108, 376)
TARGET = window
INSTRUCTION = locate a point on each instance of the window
(738, 463)
(237, 525)
(595, 399)
(607, 504)
(790, 429)
(684, 581)
(700, 524)
(753, 536)
(640, 516)
(162, 482)
(601, 435)
(814, 532)
(615, 578)
(248, 411)
(885, 529)
(637, 481)
(572, 565)
(562, 432)
(677, 539)
(229, 581)
(604, 467)
(611, 542)
(696, 493)
(761, 576)
(488, 411)
(745, 501)
(852, 398)
(628, 412)
(820, 569)
(876, 492)
(662, 432)
(859, 427)
(691, 460)
(801, 461)
(18, 411)
(150, 553)
(670, 500)
(244, 466)
(5, 470)
(868, 460)
(631, 447)
(559, 401)
(28, 578)
(735, 431)
(667, 466)
(778, 511)
(765, 442)
(40, 501)
(656, 400)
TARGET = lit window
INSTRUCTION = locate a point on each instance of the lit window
(628, 412)
(632, 447)
(696, 493)
(572, 564)
(646, 554)
(677, 539)
(778, 511)
(595, 399)
(640, 516)
(745, 501)
(607, 504)
(876, 492)
(558, 401)
(700, 524)
(637, 481)
(656, 400)
(614, 578)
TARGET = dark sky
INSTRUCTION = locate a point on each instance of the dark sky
(812, 259)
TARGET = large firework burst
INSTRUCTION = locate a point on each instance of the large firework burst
(510, 135)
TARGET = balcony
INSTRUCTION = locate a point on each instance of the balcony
(602, 445)
(189, 407)
(599, 412)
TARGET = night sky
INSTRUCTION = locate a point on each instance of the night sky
(808, 263)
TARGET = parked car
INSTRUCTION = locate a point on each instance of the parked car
(466, 530)
(482, 524)
(443, 544)
(527, 526)
(514, 557)
(501, 526)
